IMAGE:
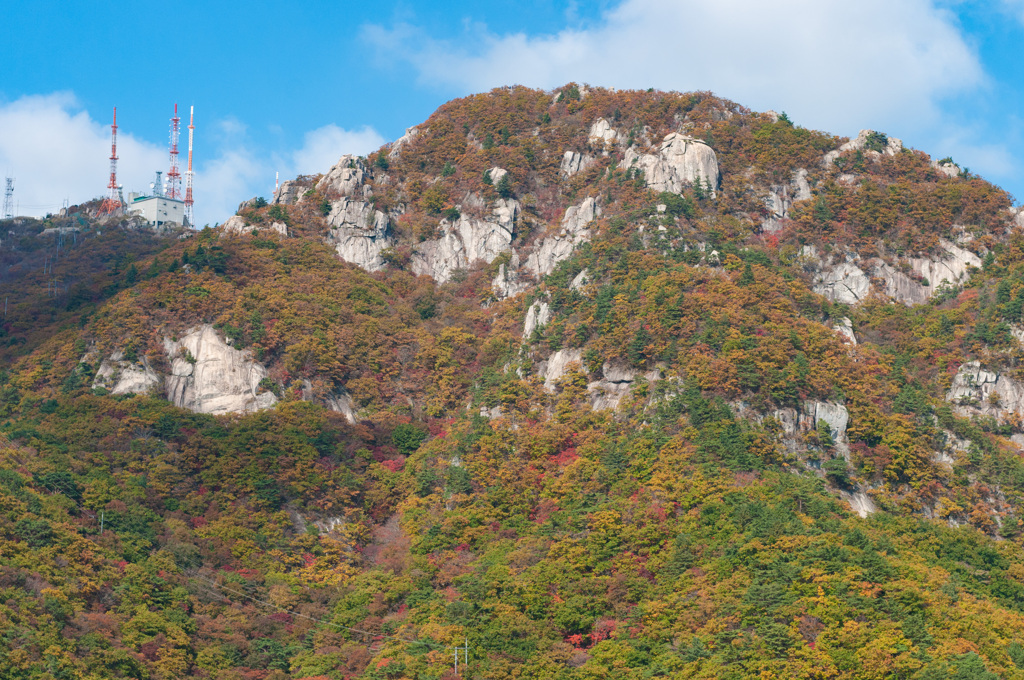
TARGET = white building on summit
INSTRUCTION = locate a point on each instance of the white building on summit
(157, 208)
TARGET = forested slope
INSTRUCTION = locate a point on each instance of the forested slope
(602, 384)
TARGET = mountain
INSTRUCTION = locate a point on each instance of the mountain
(583, 383)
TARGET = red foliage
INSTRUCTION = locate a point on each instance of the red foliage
(394, 465)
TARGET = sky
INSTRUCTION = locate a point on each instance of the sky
(289, 87)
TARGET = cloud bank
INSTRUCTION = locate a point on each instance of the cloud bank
(57, 151)
(835, 65)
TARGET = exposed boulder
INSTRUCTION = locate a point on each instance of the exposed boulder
(496, 173)
(120, 376)
(679, 162)
(508, 283)
(977, 391)
(359, 233)
(601, 132)
(342, 402)
(210, 376)
(845, 330)
(348, 178)
(574, 162)
(845, 283)
(916, 281)
(947, 169)
(860, 502)
(537, 315)
(290, 192)
(860, 143)
(236, 224)
(618, 380)
(396, 146)
(574, 231)
(781, 199)
(558, 365)
(467, 240)
(1018, 216)
(581, 280)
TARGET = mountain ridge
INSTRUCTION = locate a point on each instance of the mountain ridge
(598, 380)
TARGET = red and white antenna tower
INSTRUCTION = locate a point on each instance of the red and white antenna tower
(173, 176)
(188, 173)
(112, 203)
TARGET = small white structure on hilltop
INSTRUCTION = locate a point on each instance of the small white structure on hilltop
(157, 208)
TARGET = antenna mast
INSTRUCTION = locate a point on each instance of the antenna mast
(8, 198)
(173, 176)
(112, 203)
(188, 173)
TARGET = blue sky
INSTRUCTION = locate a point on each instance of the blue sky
(288, 87)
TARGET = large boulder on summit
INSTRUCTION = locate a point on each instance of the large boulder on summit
(347, 178)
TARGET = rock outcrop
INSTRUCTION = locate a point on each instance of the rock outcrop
(537, 315)
(845, 283)
(347, 178)
(946, 169)
(781, 199)
(619, 378)
(844, 328)
(574, 231)
(860, 143)
(236, 224)
(289, 193)
(679, 162)
(342, 402)
(359, 233)
(917, 279)
(574, 162)
(396, 146)
(210, 376)
(602, 132)
(467, 240)
(508, 282)
(120, 376)
(978, 391)
(557, 365)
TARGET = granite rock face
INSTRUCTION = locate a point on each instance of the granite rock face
(539, 314)
(574, 162)
(289, 193)
(121, 376)
(558, 365)
(574, 231)
(602, 132)
(210, 376)
(916, 281)
(508, 282)
(347, 177)
(467, 240)
(859, 143)
(978, 391)
(359, 233)
(679, 162)
(781, 199)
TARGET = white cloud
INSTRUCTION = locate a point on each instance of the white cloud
(56, 150)
(322, 147)
(833, 65)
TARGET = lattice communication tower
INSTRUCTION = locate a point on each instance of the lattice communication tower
(112, 203)
(173, 175)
